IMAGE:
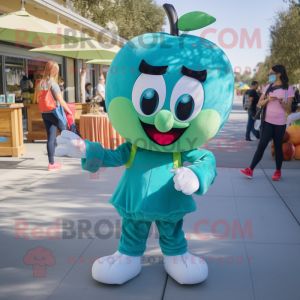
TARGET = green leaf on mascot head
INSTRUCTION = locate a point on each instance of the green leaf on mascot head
(194, 20)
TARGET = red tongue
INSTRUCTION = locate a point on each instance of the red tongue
(163, 138)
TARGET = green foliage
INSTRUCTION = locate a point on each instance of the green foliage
(195, 20)
(243, 78)
(284, 45)
(127, 18)
(262, 73)
(285, 41)
(292, 2)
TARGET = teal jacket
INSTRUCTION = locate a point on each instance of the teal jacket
(146, 190)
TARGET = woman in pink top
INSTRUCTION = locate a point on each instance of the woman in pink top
(276, 100)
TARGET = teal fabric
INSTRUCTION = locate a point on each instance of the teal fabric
(135, 233)
(173, 217)
(162, 49)
(171, 238)
(96, 155)
(203, 164)
(146, 190)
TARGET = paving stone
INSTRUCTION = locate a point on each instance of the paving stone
(275, 271)
(29, 192)
(229, 274)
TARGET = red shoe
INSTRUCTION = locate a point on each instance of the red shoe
(55, 166)
(277, 175)
(248, 172)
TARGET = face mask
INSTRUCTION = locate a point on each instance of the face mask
(272, 78)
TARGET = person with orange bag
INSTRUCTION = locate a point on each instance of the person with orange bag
(49, 82)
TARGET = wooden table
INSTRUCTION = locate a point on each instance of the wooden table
(11, 130)
(97, 128)
(36, 126)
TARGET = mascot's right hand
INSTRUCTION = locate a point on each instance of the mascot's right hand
(70, 144)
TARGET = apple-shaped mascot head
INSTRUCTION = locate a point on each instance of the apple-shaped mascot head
(170, 92)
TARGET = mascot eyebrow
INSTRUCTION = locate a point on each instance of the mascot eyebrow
(160, 70)
(199, 75)
(152, 70)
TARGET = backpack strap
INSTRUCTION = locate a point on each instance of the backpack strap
(177, 160)
(272, 88)
(133, 151)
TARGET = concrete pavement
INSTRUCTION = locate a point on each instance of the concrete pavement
(263, 263)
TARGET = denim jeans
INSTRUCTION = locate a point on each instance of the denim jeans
(51, 123)
(250, 126)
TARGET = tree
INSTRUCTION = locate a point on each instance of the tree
(285, 41)
(262, 73)
(127, 18)
(284, 45)
(82, 81)
(243, 78)
(292, 2)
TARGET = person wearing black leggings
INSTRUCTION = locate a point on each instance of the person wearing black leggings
(51, 122)
(275, 132)
(276, 100)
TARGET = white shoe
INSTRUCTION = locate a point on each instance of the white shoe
(116, 268)
(186, 268)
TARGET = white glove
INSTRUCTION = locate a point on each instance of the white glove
(70, 144)
(185, 180)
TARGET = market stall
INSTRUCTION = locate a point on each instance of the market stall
(11, 130)
(97, 128)
(36, 127)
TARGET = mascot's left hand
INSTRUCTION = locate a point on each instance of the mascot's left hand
(185, 180)
(70, 144)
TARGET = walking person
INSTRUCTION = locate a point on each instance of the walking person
(101, 91)
(259, 93)
(276, 100)
(51, 122)
(253, 100)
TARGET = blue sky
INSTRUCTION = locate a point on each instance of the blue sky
(235, 14)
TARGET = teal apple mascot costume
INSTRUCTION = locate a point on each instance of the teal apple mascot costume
(167, 95)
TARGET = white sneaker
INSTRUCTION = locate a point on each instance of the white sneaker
(186, 268)
(116, 268)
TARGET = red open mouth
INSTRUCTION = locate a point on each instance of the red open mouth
(162, 138)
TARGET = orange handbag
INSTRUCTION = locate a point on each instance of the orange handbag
(46, 101)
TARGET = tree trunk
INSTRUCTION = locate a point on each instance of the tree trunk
(82, 81)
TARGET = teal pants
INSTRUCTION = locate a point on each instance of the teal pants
(135, 233)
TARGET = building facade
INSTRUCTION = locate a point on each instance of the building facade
(20, 68)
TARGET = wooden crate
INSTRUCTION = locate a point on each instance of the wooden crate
(11, 128)
(36, 127)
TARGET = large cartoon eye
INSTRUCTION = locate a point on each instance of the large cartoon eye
(148, 94)
(184, 107)
(186, 99)
(149, 101)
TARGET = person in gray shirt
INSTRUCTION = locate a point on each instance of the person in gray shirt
(51, 122)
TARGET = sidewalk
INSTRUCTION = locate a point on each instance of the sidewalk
(262, 265)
